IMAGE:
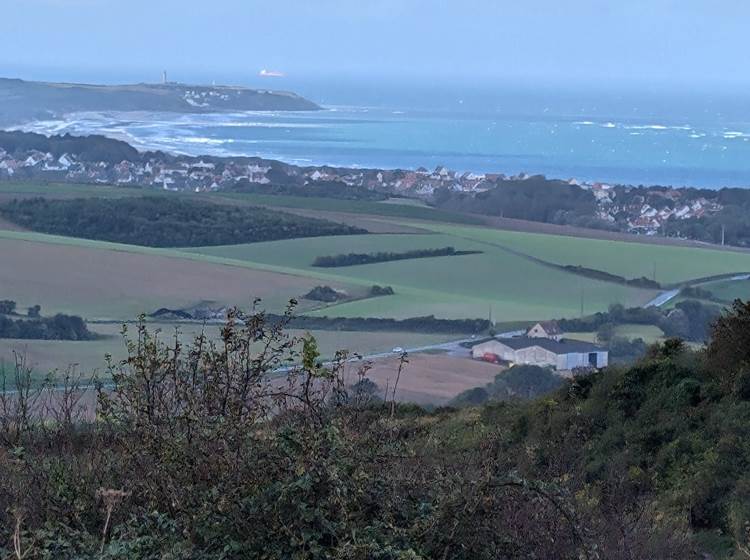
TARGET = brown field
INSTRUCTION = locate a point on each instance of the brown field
(88, 356)
(428, 378)
(108, 284)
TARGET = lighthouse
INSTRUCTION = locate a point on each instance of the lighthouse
(164, 77)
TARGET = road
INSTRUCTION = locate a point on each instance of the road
(662, 298)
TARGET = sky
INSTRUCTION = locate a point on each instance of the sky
(659, 43)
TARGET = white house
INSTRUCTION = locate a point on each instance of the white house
(545, 329)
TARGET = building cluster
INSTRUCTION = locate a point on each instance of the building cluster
(642, 211)
(196, 174)
(176, 174)
(647, 211)
(543, 345)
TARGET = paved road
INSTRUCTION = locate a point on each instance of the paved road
(662, 298)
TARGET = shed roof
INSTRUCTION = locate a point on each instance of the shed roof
(564, 346)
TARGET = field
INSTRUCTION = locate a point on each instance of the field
(666, 264)
(728, 290)
(108, 281)
(649, 333)
(509, 286)
(512, 280)
(89, 356)
(431, 379)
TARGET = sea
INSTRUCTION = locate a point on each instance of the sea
(665, 137)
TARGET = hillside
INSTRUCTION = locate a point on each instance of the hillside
(21, 100)
(635, 463)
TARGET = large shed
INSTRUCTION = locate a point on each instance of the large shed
(563, 355)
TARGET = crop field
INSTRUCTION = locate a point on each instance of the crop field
(509, 286)
(10, 190)
(110, 281)
(89, 356)
(393, 209)
(728, 290)
(664, 263)
(649, 333)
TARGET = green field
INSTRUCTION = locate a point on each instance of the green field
(649, 333)
(509, 286)
(672, 264)
(509, 280)
(393, 209)
(728, 290)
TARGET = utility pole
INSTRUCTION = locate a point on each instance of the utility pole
(723, 231)
(582, 307)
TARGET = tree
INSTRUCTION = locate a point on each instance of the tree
(34, 311)
(729, 348)
(7, 306)
(605, 332)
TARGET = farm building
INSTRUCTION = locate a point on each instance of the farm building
(545, 329)
(563, 355)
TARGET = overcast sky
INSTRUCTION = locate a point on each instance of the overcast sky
(584, 41)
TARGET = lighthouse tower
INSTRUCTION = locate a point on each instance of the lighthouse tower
(164, 77)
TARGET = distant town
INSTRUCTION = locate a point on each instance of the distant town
(642, 210)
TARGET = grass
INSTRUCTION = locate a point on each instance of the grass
(89, 356)
(671, 264)
(66, 190)
(511, 287)
(113, 281)
(649, 333)
(728, 290)
(373, 208)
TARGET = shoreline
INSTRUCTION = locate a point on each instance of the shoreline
(229, 147)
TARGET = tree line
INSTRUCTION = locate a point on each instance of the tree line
(537, 199)
(353, 259)
(164, 221)
(689, 320)
(33, 326)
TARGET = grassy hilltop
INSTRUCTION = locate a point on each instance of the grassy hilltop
(21, 100)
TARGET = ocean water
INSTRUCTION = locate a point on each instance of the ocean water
(705, 143)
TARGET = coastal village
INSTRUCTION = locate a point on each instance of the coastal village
(620, 204)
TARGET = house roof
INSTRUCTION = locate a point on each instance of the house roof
(550, 327)
(564, 346)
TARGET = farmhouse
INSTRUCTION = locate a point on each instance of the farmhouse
(545, 329)
(563, 355)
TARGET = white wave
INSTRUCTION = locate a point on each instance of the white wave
(204, 140)
(647, 127)
(586, 123)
